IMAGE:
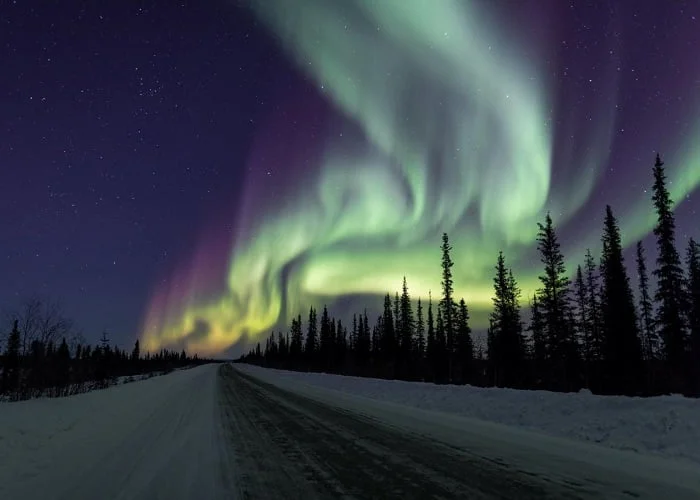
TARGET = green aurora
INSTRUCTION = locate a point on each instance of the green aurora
(459, 119)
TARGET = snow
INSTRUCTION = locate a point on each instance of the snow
(668, 426)
(162, 437)
(599, 471)
(157, 438)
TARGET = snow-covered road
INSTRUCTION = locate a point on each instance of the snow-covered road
(218, 432)
(288, 446)
(153, 439)
(470, 458)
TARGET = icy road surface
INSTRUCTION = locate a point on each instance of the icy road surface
(215, 432)
(301, 441)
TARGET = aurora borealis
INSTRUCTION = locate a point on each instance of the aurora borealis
(201, 186)
(454, 126)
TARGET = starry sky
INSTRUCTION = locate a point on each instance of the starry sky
(195, 173)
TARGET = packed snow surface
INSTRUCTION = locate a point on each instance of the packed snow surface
(668, 426)
(157, 438)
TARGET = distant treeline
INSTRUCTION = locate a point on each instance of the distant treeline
(591, 331)
(43, 357)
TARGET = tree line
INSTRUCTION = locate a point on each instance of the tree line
(586, 329)
(43, 356)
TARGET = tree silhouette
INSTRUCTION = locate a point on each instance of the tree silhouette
(465, 345)
(447, 305)
(507, 345)
(669, 292)
(693, 294)
(554, 303)
(650, 340)
(621, 345)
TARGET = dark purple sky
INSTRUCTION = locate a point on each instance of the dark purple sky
(126, 128)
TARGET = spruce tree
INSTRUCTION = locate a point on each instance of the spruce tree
(325, 341)
(583, 319)
(407, 326)
(407, 322)
(554, 302)
(366, 339)
(669, 292)
(311, 337)
(282, 346)
(431, 351)
(693, 297)
(295, 346)
(595, 318)
(388, 339)
(491, 353)
(539, 341)
(465, 345)
(420, 331)
(10, 373)
(447, 306)
(397, 323)
(440, 369)
(646, 310)
(353, 334)
(506, 328)
(339, 345)
(135, 354)
(621, 345)
(377, 336)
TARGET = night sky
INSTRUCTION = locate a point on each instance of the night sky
(194, 173)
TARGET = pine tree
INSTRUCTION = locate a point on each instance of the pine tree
(621, 345)
(377, 335)
(325, 339)
(669, 293)
(465, 345)
(62, 367)
(447, 305)
(583, 319)
(506, 328)
(650, 340)
(353, 334)
(397, 322)
(388, 333)
(420, 331)
(279, 342)
(10, 373)
(441, 373)
(554, 302)
(135, 354)
(539, 341)
(365, 340)
(593, 285)
(311, 337)
(431, 351)
(295, 346)
(407, 322)
(491, 351)
(104, 341)
(693, 296)
(407, 326)
(339, 345)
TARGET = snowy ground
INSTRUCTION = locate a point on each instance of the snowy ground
(668, 426)
(219, 434)
(156, 438)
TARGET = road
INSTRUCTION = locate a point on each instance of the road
(217, 432)
(286, 446)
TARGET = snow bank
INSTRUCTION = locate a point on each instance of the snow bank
(667, 425)
(142, 440)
